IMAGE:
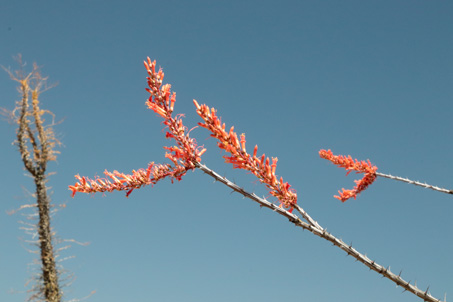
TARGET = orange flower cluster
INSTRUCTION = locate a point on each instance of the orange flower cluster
(240, 159)
(125, 182)
(184, 155)
(352, 165)
(162, 101)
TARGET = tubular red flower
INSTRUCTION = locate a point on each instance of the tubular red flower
(183, 156)
(240, 159)
(243, 142)
(349, 165)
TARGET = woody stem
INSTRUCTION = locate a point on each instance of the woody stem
(317, 230)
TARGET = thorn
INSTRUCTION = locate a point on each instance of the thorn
(407, 285)
(426, 292)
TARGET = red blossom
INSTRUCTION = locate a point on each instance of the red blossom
(349, 165)
(126, 182)
(240, 159)
(183, 156)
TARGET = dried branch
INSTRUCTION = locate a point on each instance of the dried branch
(36, 143)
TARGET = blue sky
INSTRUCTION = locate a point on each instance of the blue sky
(373, 79)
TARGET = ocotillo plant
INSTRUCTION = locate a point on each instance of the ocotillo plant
(186, 155)
(36, 142)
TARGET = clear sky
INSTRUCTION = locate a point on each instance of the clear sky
(373, 79)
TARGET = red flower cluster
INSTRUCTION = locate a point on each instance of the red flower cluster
(162, 101)
(352, 165)
(127, 182)
(240, 159)
(184, 155)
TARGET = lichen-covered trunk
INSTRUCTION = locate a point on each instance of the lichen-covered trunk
(49, 269)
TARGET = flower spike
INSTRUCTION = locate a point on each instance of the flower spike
(240, 159)
(183, 156)
(350, 164)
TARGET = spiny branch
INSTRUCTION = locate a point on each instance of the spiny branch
(263, 202)
(317, 230)
(32, 133)
(417, 183)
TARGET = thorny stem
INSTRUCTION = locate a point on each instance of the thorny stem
(51, 289)
(42, 141)
(42, 135)
(317, 230)
(417, 183)
(23, 127)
